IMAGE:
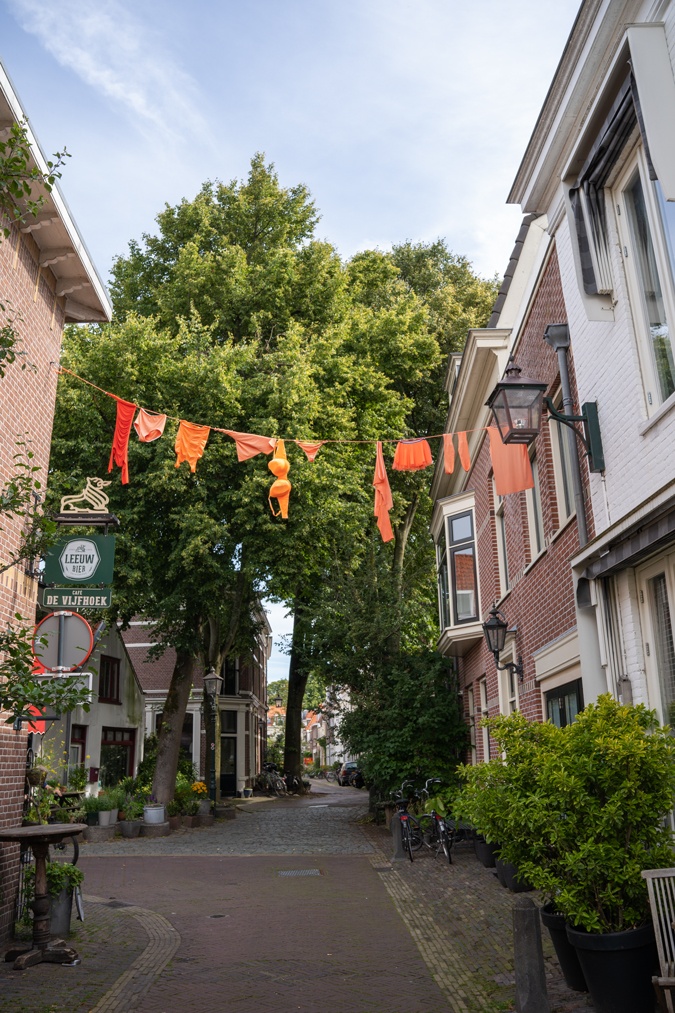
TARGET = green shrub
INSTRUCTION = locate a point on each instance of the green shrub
(78, 778)
(580, 810)
(60, 875)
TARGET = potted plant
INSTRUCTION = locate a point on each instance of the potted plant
(91, 805)
(201, 793)
(173, 811)
(593, 801)
(78, 778)
(130, 826)
(62, 879)
(153, 811)
(191, 814)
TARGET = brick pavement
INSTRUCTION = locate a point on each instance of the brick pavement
(211, 924)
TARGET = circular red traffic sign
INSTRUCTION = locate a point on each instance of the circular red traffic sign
(63, 641)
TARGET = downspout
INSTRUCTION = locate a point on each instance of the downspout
(558, 338)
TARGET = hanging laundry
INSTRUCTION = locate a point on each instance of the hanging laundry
(511, 464)
(248, 444)
(149, 425)
(448, 454)
(281, 489)
(383, 498)
(190, 443)
(311, 449)
(120, 445)
(412, 455)
(463, 451)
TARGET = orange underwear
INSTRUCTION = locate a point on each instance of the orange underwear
(248, 444)
(149, 425)
(412, 455)
(311, 449)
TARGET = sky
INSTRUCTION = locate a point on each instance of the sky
(407, 119)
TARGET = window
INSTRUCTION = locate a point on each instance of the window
(462, 553)
(562, 449)
(443, 586)
(509, 691)
(564, 703)
(78, 746)
(500, 533)
(534, 513)
(484, 712)
(656, 587)
(229, 674)
(117, 754)
(645, 242)
(109, 680)
(472, 724)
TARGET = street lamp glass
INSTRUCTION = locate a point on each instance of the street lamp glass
(516, 406)
(494, 631)
(213, 683)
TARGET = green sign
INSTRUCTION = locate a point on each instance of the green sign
(88, 559)
(76, 598)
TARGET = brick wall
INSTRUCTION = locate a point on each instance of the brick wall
(540, 601)
(27, 398)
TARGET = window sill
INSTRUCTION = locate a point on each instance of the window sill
(103, 699)
(563, 527)
(660, 413)
(534, 562)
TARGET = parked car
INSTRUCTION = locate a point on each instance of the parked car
(345, 771)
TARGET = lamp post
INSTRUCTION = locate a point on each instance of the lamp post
(213, 683)
(494, 631)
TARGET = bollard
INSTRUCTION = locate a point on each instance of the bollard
(395, 827)
(528, 958)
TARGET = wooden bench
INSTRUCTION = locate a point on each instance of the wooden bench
(661, 887)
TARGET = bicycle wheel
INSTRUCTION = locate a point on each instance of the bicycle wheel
(427, 826)
(406, 838)
(416, 833)
(79, 905)
(446, 843)
(279, 787)
(331, 775)
(67, 852)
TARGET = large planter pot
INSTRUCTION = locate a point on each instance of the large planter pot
(60, 908)
(204, 806)
(190, 821)
(130, 828)
(508, 877)
(91, 819)
(154, 813)
(175, 822)
(565, 952)
(485, 852)
(618, 968)
(104, 817)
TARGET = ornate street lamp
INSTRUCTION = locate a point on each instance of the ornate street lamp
(494, 631)
(515, 404)
(213, 683)
(278, 701)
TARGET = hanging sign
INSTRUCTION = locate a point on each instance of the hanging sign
(83, 560)
(77, 598)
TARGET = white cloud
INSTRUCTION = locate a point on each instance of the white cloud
(119, 57)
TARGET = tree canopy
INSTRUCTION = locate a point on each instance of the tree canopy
(234, 315)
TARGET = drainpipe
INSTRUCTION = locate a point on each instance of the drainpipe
(557, 336)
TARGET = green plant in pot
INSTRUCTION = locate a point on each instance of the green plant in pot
(91, 805)
(78, 778)
(62, 879)
(594, 800)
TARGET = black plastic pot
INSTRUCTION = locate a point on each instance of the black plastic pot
(485, 852)
(507, 875)
(618, 968)
(565, 952)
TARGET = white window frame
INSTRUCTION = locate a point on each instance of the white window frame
(472, 725)
(663, 565)
(500, 535)
(455, 507)
(509, 696)
(562, 475)
(636, 162)
(534, 508)
(484, 713)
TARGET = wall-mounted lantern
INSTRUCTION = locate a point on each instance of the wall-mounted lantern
(494, 631)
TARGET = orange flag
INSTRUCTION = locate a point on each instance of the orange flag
(463, 451)
(383, 498)
(511, 464)
(190, 443)
(448, 454)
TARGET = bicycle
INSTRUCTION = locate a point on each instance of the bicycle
(411, 834)
(271, 782)
(436, 834)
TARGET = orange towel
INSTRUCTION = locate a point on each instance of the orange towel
(383, 498)
(149, 425)
(311, 449)
(463, 451)
(448, 454)
(281, 489)
(510, 464)
(190, 443)
(412, 455)
(248, 444)
(120, 445)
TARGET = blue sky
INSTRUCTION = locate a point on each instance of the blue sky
(407, 119)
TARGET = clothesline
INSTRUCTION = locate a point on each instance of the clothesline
(218, 429)
(512, 471)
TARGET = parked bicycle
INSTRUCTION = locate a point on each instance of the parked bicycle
(411, 833)
(436, 834)
(271, 782)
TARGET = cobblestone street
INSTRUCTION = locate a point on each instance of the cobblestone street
(291, 906)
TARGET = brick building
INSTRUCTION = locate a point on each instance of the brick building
(597, 254)
(46, 280)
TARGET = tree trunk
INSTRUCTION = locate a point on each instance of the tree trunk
(164, 781)
(297, 682)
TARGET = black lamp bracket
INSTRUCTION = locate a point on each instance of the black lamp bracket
(591, 438)
(511, 666)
